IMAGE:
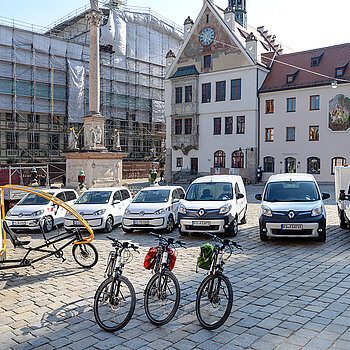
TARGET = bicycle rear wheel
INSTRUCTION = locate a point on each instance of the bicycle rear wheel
(162, 297)
(113, 309)
(214, 301)
(85, 254)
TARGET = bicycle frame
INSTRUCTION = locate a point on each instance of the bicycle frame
(74, 237)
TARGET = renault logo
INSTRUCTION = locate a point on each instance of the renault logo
(291, 215)
(201, 212)
(142, 213)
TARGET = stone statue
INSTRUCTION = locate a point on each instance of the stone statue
(92, 138)
(72, 140)
(116, 141)
(98, 135)
(94, 4)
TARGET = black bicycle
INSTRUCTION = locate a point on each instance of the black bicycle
(115, 298)
(215, 296)
(162, 294)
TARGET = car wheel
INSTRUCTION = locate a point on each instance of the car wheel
(263, 235)
(322, 236)
(233, 229)
(182, 233)
(244, 219)
(342, 220)
(109, 224)
(170, 224)
(127, 230)
(48, 224)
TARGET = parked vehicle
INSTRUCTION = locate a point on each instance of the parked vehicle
(154, 208)
(292, 206)
(28, 212)
(214, 204)
(102, 208)
(342, 194)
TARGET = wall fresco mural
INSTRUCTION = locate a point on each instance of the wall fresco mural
(339, 113)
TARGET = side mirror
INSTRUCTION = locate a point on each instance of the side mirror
(240, 195)
(116, 201)
(176, 200)
(325, 195)
(258, 197)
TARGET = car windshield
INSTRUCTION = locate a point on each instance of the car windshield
(34, 199)
(154, 196)
(94, 197)
(291, 191)
(210, 191)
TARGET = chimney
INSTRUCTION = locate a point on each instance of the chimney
(252, 46)
(170, 58)
(187, 26)
(229, 17)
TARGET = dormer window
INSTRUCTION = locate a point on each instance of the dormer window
(290, 78)
(315, 61)
(340, 71)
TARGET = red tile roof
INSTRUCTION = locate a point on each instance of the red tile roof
(283, 65)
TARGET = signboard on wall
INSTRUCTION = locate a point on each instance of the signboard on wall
(339, 113)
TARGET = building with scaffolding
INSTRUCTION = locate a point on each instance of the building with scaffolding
(44, 81)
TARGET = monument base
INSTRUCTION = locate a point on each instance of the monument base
(102, 169)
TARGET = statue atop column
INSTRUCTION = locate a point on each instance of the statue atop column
(116, 141)
(72, 140)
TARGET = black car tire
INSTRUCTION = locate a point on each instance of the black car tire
(322, 236)
(232, 231)
(48, 224)
(109, 224)
(263, 235)
(182, 233)
(342, 219)
(170, 224)
(127, 230)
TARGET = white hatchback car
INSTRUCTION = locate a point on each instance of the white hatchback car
(102, 208)
(154, 208)
(28, 212)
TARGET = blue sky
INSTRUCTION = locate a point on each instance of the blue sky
(299, 24)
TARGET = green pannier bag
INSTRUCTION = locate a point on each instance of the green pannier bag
(206, 256)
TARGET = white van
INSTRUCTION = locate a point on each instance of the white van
(214, 204)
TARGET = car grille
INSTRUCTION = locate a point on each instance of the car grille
(202, 228)
(304, 232)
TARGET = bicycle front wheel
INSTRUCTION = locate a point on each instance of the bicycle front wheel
(85, 254)
(162, 297)
(214, 301)
(114, 303)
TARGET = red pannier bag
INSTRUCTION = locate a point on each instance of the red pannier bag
(171, 258)
(150, 258)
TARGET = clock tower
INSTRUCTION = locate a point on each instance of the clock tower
(240, 10)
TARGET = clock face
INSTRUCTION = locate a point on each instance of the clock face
(207, 36)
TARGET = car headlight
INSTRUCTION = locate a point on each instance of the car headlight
(225, 209)
(266, 211)
(99, 212)
(8, 214)
(38, 212)
(160, 211)
(127, 210)
(316, 211)
(182, 209)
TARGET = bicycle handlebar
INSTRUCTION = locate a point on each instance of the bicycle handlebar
(169, 240)
(125, 245)
(226, 242)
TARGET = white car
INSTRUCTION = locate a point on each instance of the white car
(102, 208)
(154, 208)
(215, 204)
(28, 212)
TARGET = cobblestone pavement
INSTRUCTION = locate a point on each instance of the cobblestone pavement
(289, 294)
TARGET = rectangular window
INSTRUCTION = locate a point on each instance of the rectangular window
(54, 142)
(269, 134)
(206, 92)
(236, 85)
(314, 102)
(178, 126)
(188, 93)
(339, 72)
(207, 61)
(228, 125)
(33, 141)
(188, 126)
(290, 134)
(291, 104)
(217, 126)
(220, 91)
(269, 107)
(178, 95)
(241, 125)
(314, 133)
(179, 162)
(11, 140)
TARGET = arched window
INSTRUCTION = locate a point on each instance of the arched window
(291, 165)
(237, 159)
(269, 164)
(337, 161)
(219, 159)
(313, 165)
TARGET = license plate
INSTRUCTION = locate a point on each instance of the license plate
(18, 223)
(291, 226)
(76, 222)
(200, 223)
(140, 222)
